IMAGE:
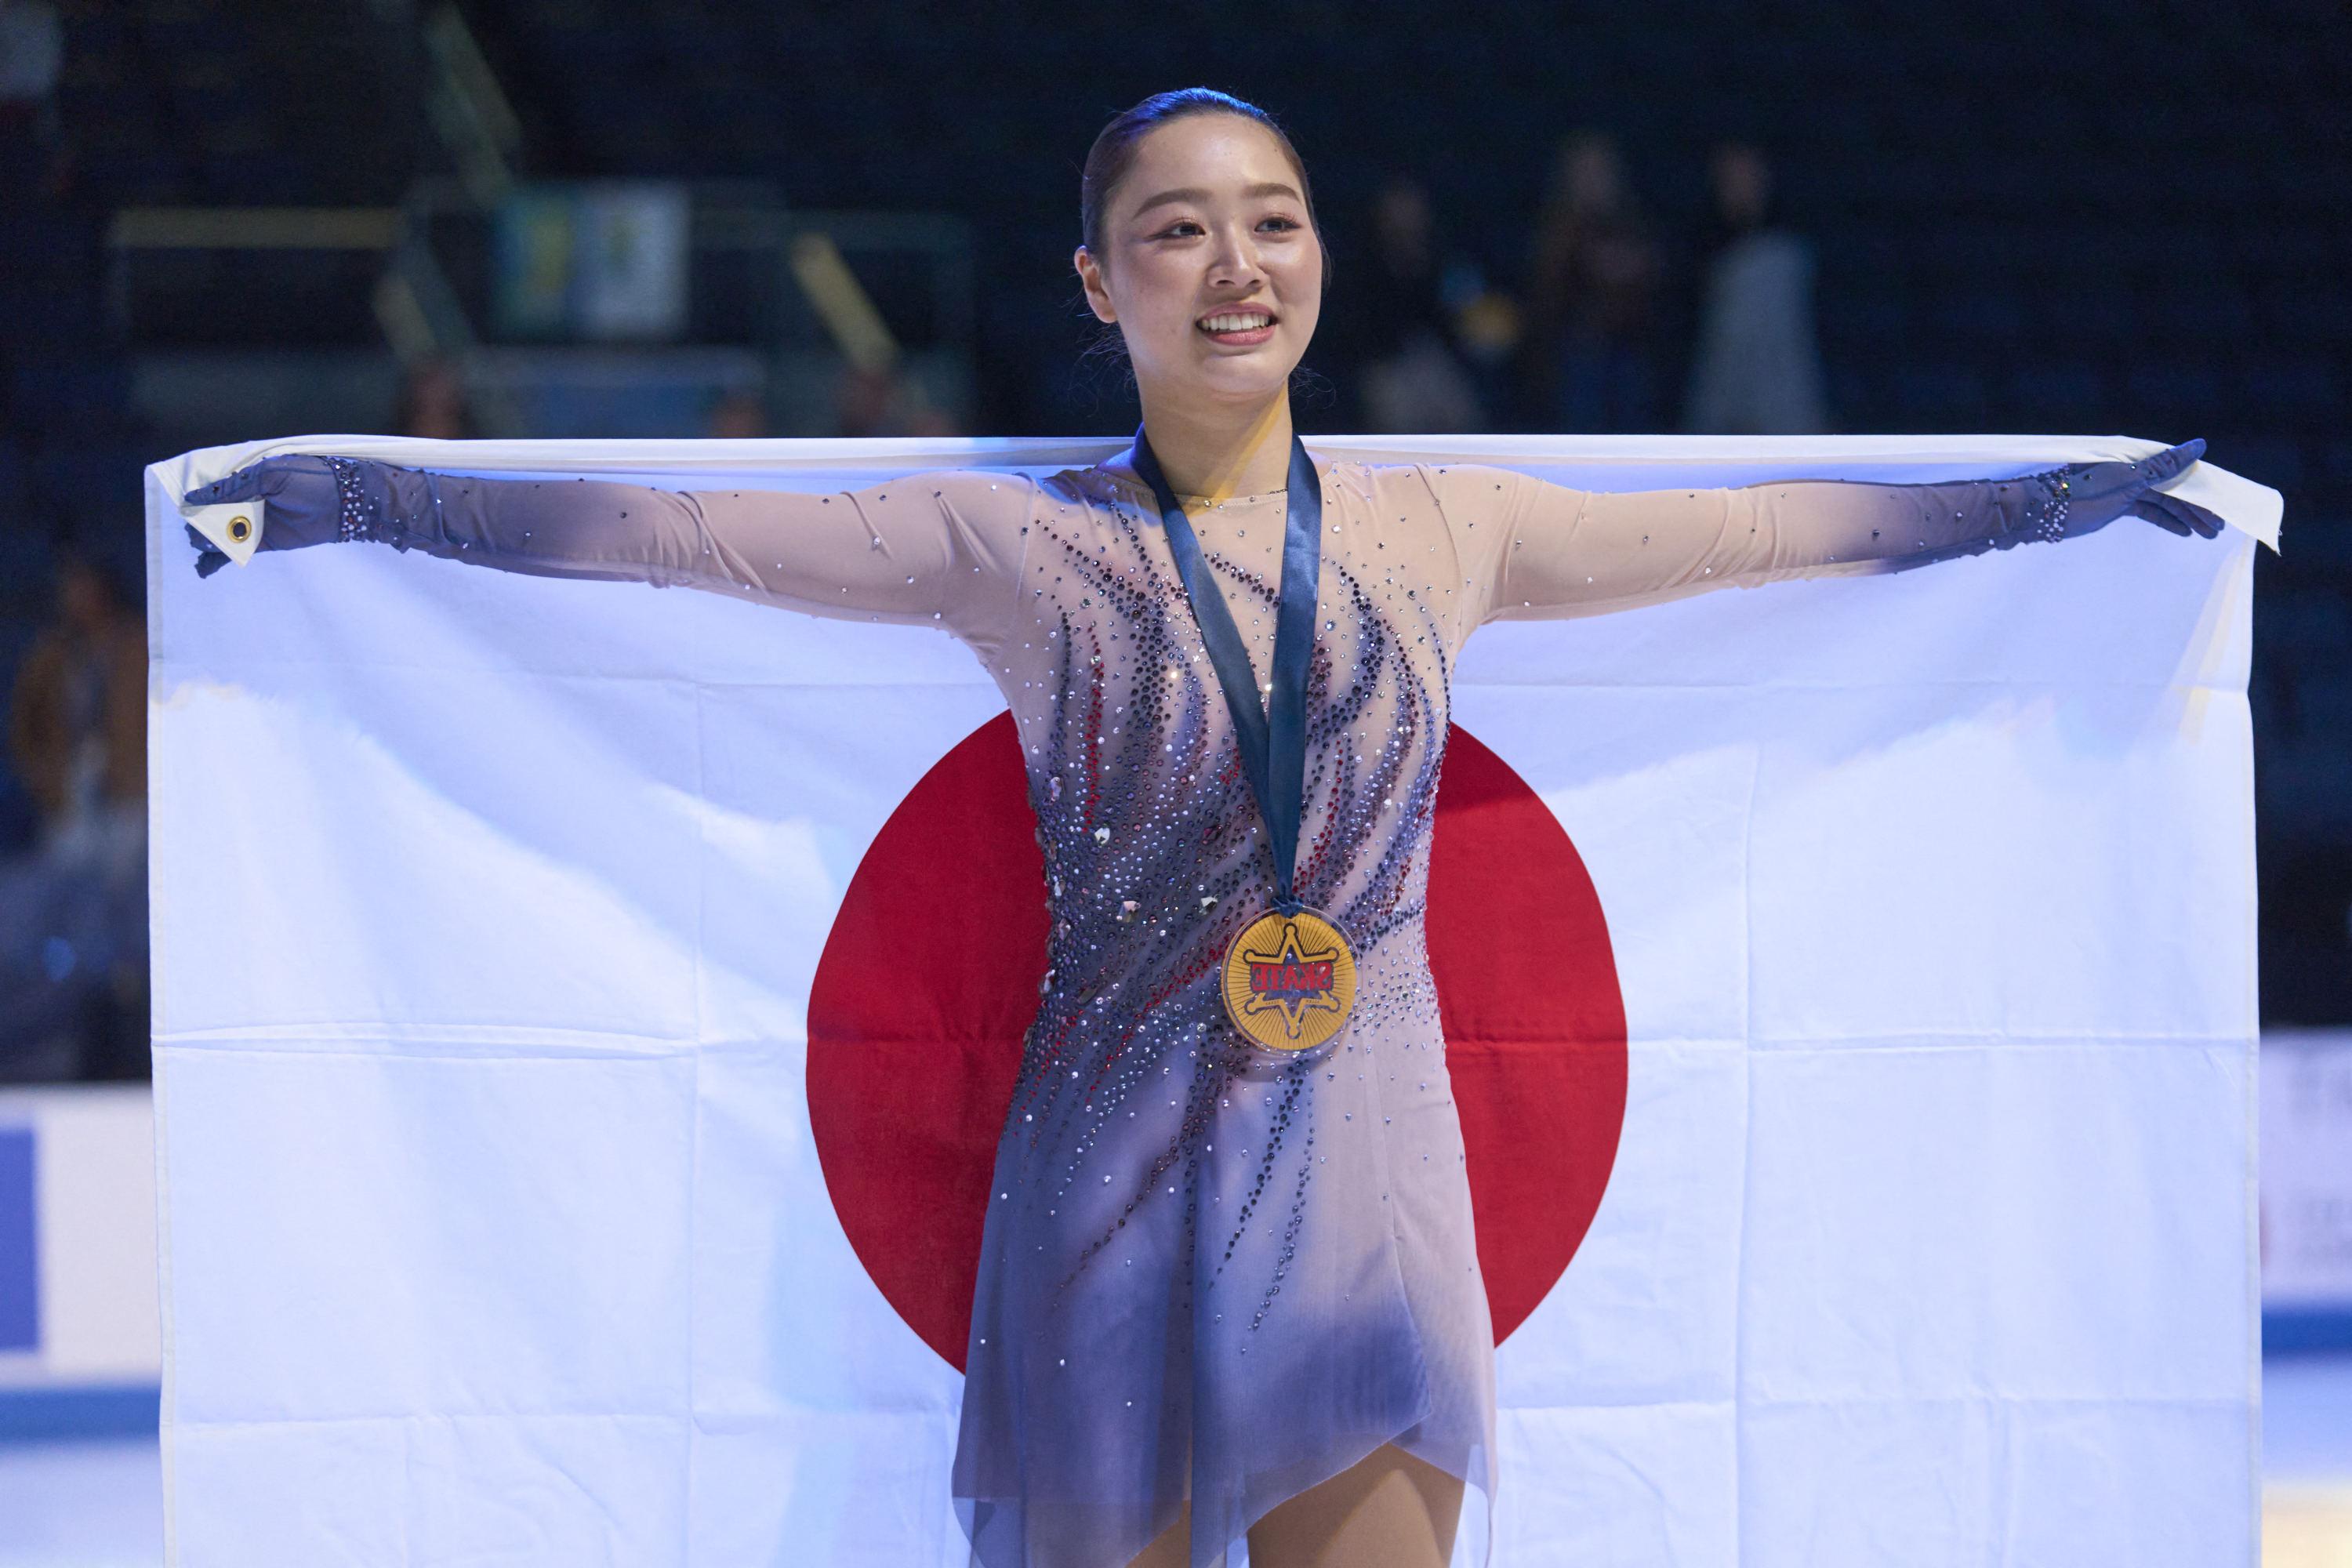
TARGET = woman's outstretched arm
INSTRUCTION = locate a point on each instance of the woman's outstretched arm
(941, 547)
(1531, 549)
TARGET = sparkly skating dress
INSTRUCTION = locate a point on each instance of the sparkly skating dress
(1208, 1271)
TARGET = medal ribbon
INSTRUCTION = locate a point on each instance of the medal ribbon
(1273, 738)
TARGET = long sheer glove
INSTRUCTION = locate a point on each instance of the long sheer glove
(315, 500)
(301, 493)
(319, 500)
(1530, 549)
(942, 547)
(2087, 496)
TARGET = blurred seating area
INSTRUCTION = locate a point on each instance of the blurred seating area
(2080, 216)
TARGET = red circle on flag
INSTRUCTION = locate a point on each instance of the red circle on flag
(929, 981)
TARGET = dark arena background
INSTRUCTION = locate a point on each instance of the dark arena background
(716, 218)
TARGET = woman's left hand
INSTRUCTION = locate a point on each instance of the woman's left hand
(2096, 494)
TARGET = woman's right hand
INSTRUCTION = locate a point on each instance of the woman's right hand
(311, 500)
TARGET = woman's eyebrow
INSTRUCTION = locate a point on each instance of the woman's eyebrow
(1195, 194)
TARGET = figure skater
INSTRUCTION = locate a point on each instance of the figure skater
(1228, 1284)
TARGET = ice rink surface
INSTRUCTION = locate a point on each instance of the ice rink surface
(99, 1504)
(2307, 1462)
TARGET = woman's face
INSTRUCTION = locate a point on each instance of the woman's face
(1208, 222)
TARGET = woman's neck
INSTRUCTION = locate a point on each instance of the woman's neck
(1222, 450)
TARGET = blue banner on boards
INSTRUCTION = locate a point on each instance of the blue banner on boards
(20, 1283)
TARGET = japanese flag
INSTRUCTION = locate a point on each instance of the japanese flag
(1849, 983)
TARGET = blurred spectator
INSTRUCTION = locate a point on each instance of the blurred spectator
(738, 416)
(1414, 376)
(73, 936)
(876, 400)
(1593, 296)
(32, 49)
(1757, 369)
(433, 403)
(77, 725)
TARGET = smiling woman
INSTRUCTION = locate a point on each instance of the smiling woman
(1201, 248)
(1228, 1285)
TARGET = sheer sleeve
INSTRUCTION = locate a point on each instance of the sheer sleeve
(1529, 549)
(940, 548)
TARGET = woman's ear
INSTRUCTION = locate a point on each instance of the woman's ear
(1090, 274)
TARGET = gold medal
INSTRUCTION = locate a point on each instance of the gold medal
(1289, 981)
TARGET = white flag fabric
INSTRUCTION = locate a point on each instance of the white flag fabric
(522, 1203)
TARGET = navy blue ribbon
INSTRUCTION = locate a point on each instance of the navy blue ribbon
(1273, 738)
